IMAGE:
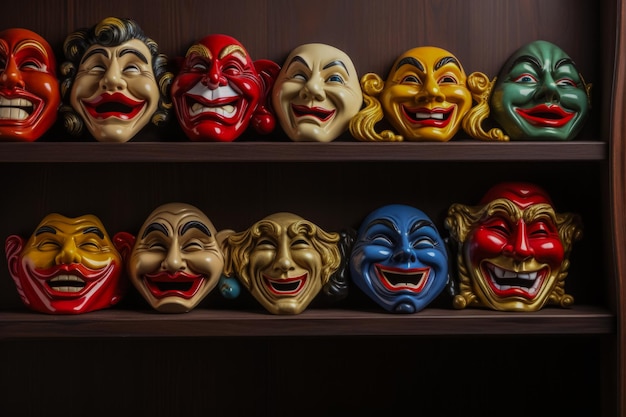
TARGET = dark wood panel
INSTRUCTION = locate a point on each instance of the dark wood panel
(304, 377)
(618, 203)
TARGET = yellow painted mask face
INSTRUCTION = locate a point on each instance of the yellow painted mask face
(425, 96)
(67, 266)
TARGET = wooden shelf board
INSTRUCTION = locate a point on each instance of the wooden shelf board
(302, 151)
(579, 320)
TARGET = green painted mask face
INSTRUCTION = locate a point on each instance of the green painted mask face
(539, 94)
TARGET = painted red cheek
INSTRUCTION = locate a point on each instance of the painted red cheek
(488, 241)
(549, 251)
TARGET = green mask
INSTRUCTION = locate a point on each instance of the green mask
(540, 95)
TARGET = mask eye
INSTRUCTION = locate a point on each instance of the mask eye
(192, 246)
(335, 78)
(525, 79)
(32, 65)
(381, 240)
(97, 69)
(90, 247)
(232, 70)
(199, 67)
(411, 79)
(131, 69)
(265, 244)
(48, 245)
(424, 243)
(565, 82)
(300, 77)
(300, 244)
(448, 79)
(499, 227)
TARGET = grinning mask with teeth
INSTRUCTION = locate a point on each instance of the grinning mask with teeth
(399, 259)
(29, 89)
(425, 98)
(220, 90)
(68, 266)
(283, 260)
(513, 249)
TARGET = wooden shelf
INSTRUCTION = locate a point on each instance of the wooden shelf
(302, 151)
(580, 320)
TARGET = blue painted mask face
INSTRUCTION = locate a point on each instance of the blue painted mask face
(399, 259)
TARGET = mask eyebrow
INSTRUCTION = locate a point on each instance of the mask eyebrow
(384, 222)
(195, 225)
(527, 59)
(45, 229)
(298, 58)
(409, 60)
(420, 224)
(135, 52)
(154, 227)
(564, 61)
(231, 49)
(447, 60)
(95, 230)
(101, 51)
(336, 63)
(33, 46)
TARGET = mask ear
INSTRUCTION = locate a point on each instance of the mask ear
(124, 243)
(13, 247)
(264, 119)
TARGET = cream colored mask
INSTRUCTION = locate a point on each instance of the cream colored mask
(316, 93)
(175, 260)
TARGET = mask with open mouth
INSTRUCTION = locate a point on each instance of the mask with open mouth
(175, 261)
(399, 259)
(115, 81)
(29, 89)
(425, 97)
(512, 249)
(283, 260)
(316, 93)
(68, 266)
(220, 91)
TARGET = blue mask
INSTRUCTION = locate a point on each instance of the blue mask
(399, 259)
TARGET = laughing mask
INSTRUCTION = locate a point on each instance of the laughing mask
(513, 249)
(283, 260)
(68, 266)
(114, 81)
(399, 259)
(220, 91)
(425, 98)
(540, 94)
(175, 260)
(29, 89)
(317, 93)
